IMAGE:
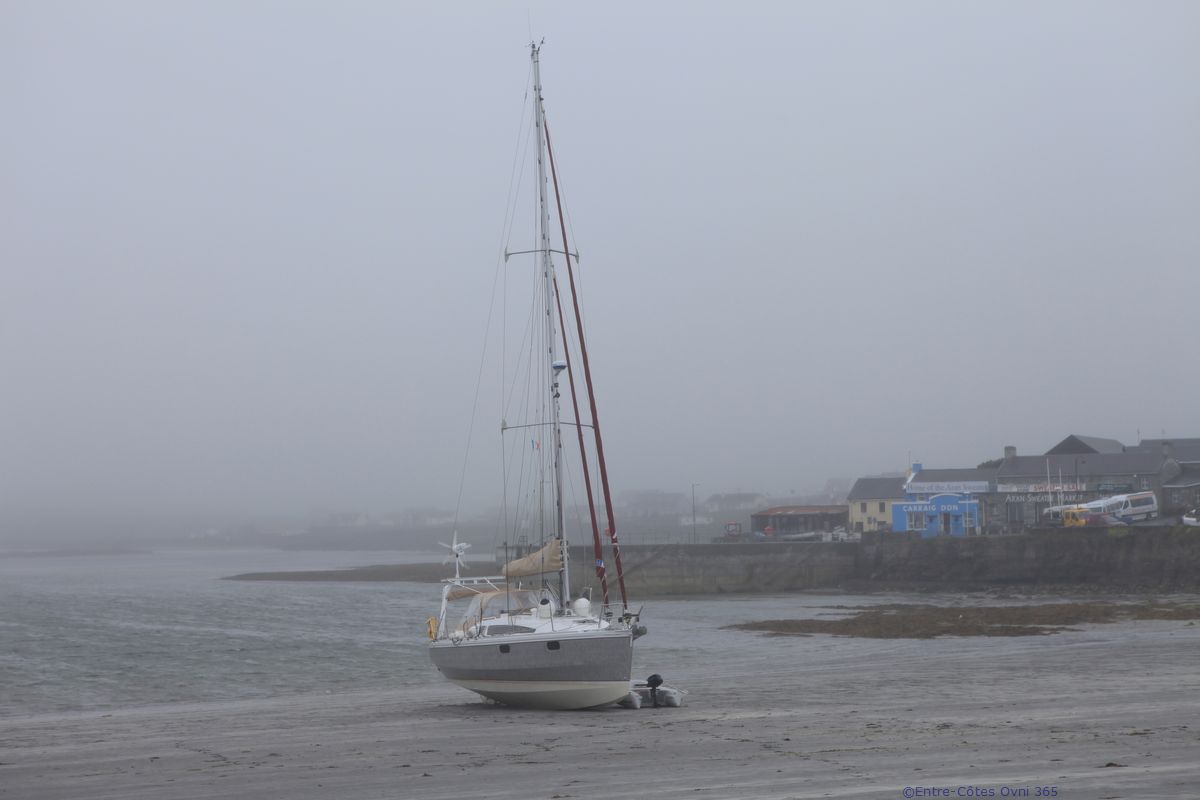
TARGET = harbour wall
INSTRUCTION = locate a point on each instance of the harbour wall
(1135, 559)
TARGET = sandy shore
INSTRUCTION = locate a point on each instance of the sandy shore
(925, 621)
(1112, 711)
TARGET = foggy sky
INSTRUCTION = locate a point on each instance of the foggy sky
(246, 249)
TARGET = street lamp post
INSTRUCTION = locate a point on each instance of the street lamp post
(694, 485)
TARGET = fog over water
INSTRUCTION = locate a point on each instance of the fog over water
(247, 250)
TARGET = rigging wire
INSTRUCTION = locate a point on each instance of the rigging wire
(505, 233)
(566, 205)
(515, 181)
(508, 411)
(608, 507)
(569, 338)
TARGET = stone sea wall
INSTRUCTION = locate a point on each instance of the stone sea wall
(1114, 559)
(721, 568)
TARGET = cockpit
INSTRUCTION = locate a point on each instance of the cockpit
(491, 605)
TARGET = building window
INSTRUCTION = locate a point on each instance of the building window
(916, 520)
(862, 507)
(881, 506)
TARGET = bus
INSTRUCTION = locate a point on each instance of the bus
(1125, 507)
(1136, 506)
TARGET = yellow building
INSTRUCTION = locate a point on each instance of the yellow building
(870, 501)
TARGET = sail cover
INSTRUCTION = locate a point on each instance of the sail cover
(548, 559)
(459, 591)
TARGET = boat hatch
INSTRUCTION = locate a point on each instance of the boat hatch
(500, 630)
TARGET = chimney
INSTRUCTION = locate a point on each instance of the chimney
(1168, 451)
(916, 467)
(1010, 452)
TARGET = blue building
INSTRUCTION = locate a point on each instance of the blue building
(939, 515)
(937, 502)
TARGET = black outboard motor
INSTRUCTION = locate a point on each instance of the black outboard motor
(654, 681)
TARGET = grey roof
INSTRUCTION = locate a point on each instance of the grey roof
(956, 475)
(1183, 449)
(1156, 444)
(1076, 444)
(1189, 476)
(1089, 465)
(877, 489)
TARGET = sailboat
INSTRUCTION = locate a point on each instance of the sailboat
(522, 639)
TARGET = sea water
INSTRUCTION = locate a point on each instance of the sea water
(82, 633)
(100, 632)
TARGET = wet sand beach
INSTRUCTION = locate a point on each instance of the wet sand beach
(1105, 711)
(924, 621)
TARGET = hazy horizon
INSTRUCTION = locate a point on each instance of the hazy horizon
(249, 249)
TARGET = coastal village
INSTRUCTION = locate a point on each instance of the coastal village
(1008, 494)
(305, 489)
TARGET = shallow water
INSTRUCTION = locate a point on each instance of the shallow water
(198, 687)
(97, 632)
(106, 632)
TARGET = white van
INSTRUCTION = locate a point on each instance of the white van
(1134, 507)
(1106, 505)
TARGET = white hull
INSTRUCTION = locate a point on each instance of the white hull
(557, 695)
(570, 663)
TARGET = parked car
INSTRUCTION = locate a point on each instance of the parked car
(1192, 518)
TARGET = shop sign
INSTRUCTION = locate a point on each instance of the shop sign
(1050, 499)
(1036, 488)
(948, 487)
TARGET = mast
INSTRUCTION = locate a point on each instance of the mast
(548, 288)
(587, 375)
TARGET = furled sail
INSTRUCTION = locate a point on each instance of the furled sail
(548, 559)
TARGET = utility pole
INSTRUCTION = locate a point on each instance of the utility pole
(694, 485)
